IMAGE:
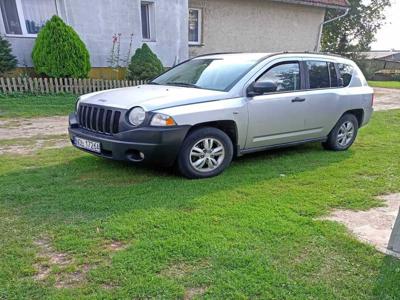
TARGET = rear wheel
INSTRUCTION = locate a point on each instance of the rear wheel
(206, 152)
(343, 134)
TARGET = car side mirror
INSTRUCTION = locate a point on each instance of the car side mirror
(261, 87)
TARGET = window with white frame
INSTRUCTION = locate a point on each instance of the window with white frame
(195, 25)
(147, 19)
(26, 17)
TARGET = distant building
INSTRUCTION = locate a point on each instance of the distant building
(387, 55)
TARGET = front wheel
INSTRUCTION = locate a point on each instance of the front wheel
(206, 152)
(343, 134)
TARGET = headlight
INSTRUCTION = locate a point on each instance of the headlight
(162, 120)
(137, 116)
(77, 104)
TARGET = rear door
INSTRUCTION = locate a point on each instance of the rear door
(322, 98)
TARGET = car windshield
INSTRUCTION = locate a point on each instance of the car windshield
(212, 74)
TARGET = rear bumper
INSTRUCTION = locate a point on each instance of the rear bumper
(157, 145)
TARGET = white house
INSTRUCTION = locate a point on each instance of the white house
(174, 29)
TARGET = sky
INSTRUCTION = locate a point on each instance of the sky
(388, 37)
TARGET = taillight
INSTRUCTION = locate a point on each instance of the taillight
(372, 100)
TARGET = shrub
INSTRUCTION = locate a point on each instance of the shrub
(59, 52)
(7, 60)
(144, 65)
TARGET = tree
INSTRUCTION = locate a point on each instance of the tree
(144, 65)
(356, 31)
(7, 59)
(59, 51)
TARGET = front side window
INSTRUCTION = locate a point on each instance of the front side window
(195, 19)
(26, 17)
(285, 76)
(346, 73)
(318, 74)
(208, 73)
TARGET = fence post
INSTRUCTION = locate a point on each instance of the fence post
(81, 85)
(56, 85)
(9, 84)
(3, 85)
(41, 85)
(20, 86)
(46, 85)
(71, 86)
(51, 85)
(25, 84)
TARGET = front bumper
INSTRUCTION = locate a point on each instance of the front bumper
(158, 145)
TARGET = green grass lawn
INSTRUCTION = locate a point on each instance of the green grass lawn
(36, 106)
(252, 232)
(385, 84)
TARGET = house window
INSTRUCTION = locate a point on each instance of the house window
(195, 24)
(147, 17)
(26, 17)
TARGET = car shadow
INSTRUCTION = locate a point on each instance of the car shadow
(89, 188)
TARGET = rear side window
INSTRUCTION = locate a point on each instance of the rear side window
(318, 74)
(346, 73)
(286, 76)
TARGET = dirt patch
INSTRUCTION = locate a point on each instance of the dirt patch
(181, 269)
(373, 226)
(72, 279)
(48, 257)
(386, 99)
(115, 246)
(26, 128)
(190, 293)
(27, 136)
(34, 146)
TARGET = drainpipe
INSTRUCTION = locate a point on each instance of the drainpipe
(321, 26)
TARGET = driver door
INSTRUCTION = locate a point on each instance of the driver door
(278, 117)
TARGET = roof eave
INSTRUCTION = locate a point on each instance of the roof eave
(300, 2)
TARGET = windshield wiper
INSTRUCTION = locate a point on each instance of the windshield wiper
(153, 82)
(183, 84)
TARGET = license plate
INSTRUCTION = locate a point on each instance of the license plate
(87, 145)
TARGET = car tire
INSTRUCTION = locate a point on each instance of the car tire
(205, 152)
(343, 134)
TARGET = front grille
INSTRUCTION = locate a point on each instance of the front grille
(98, 119)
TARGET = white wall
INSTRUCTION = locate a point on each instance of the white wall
(97, 20)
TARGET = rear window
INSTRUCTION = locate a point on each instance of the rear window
(318, 74)
(346, 73)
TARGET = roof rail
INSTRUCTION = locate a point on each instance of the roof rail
(309, 52)
(218, 53)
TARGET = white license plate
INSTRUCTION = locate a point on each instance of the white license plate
(87, 145)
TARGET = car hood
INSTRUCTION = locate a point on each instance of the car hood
(152, 97)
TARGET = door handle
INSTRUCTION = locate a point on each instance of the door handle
(297, 99)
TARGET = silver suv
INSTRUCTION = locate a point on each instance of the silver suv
(204, 112)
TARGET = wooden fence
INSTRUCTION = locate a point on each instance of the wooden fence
(61, 85)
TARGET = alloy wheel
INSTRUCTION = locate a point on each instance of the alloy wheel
(345, 133)
(207, 154)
